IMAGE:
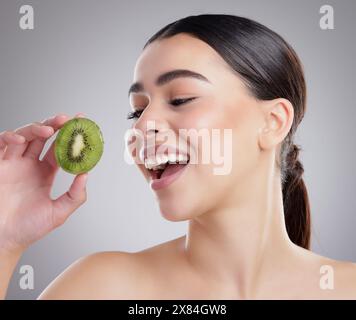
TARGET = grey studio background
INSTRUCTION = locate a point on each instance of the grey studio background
(80, 58)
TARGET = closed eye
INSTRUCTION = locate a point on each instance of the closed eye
(177, 102)
(174, 102)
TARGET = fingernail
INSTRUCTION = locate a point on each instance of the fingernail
(19, 137)
(50, 130)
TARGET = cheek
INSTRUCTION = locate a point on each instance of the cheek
(208, 113)
(245, 149)
(243, 118)
(203, 119)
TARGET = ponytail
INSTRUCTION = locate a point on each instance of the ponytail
(296, 200)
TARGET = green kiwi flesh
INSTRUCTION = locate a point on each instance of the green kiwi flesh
(79, 145)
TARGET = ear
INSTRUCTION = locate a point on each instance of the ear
(278, 116)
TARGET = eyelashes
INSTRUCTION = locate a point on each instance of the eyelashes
(178, 102)
(134, 114)
(175, 102)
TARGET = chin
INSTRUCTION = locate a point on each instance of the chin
(172, 212)
(176, 208)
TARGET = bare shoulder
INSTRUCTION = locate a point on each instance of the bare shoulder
(110, 275)
(336, 279)
(103, 275)
(345, 279)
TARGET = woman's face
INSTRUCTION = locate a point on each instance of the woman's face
(221, 101)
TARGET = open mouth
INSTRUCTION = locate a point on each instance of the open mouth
(165, 169)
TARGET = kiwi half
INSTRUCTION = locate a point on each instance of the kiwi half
(79, 145)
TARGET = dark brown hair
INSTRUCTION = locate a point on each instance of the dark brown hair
(271, 69)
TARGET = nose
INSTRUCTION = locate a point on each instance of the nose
(151, 129)
(152, 123)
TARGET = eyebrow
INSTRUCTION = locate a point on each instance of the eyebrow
(167, 77)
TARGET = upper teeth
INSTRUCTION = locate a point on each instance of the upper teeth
(160, 161)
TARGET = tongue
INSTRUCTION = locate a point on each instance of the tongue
(171, 169)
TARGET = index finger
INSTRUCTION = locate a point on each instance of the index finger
(35, 148)
(43, 129)
(56, 122)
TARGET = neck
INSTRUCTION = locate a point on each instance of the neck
(241, 242)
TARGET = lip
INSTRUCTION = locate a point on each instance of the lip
(157, 184)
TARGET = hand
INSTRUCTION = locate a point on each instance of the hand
(27, 212)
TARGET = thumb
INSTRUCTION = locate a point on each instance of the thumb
(67, 203)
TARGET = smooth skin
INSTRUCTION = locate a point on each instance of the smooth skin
(236, 246)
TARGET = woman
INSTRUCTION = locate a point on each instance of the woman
(249, 230)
